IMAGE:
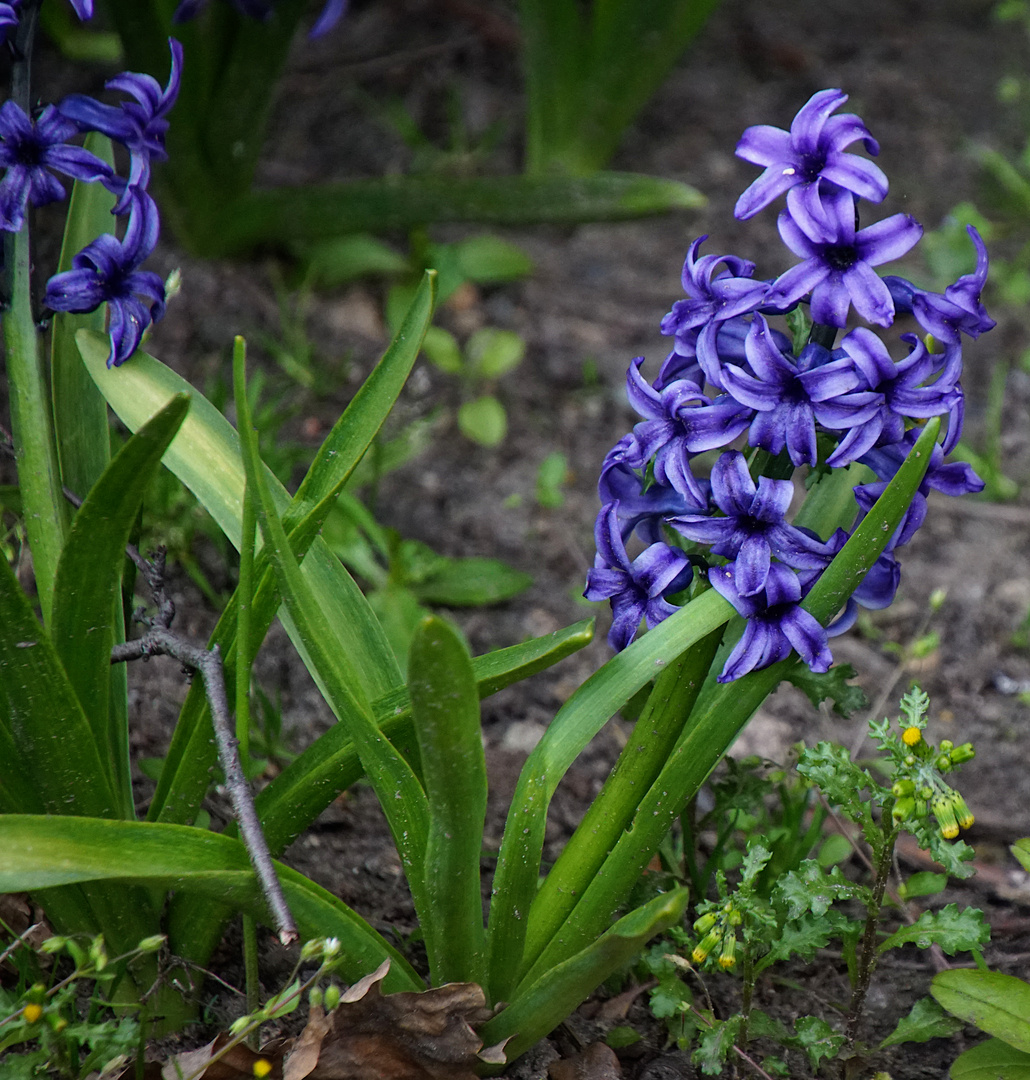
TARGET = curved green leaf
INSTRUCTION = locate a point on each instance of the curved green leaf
(445, 712)
(41, 852)
(996, 1003)
(88, 577)
(542, 1006)
(719, 715)
(992, 1060)
(398, 789)
(51, 761)
(576, 723)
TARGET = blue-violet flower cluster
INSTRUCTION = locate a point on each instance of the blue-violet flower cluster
(771, 403)
(33, 149)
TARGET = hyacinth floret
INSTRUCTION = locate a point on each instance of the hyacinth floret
(798, 401)
(808, 163)
(30, 151)
(107, 271)
(139, 125)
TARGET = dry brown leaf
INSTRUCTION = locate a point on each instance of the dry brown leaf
(236, 1064)
(409, 1036)
(596, 1062)
(302, 1059)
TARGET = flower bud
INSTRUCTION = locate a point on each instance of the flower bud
(332, 997)
(903, 787)
(239, 1025)
(904, 808)
(53, 945)
(962, 753)
(944, 812)
(962, 811)
(946, 746)
(152, 943)
(943, 763)
(315, 997)
(729, 947)
(705, 923)
(312, 950)
(705, 946)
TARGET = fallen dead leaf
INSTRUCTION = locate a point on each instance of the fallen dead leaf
(596, 1062)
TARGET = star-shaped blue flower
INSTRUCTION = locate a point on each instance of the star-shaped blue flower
(637, 588)
(107, 271)
(28, 152)
(139, 125)
(808, 162)
(838, 270)
(776, 623)
(754, 526)
(791, 395)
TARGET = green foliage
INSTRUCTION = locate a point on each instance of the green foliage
(761, 921)
(489, 354)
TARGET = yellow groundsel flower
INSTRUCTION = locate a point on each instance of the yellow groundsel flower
(911, 736)
(32, 1013)
(261, 1068)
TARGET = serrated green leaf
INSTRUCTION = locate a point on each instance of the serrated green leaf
(953, 930)
(804, 936)
(670, 997)
(832, 684)
(812, 889)
(926, 1020)
(830, 768)
(992, 1060)
(817, 1039)
(715, 1045)
(997, 1003)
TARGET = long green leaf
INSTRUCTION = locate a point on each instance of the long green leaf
(721, 712)
(996, 1003)
(292, 215)
(575, 724)
(42, 852)
(206, 458)
(87, 584)
(445, 711)
(542, 1006)
(398, 789)
(80, 413)
(645, 753)
(51, 761)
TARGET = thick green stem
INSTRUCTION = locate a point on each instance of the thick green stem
(39, 477)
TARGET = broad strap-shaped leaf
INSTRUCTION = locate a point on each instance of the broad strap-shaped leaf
(645, 753)
(718, 717)
(297, 215)
(991, 1060)
(576, 723)
(80, 412)
(191, 753)
(51, 761)
(205, 456)
(87, 583)
(542, 1006)
(445, 712)
(42, 852)
(398, 789)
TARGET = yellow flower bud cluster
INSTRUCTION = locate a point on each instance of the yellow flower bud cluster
(717, 930)
(920, 790)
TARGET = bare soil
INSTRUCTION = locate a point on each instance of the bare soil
(923, 74)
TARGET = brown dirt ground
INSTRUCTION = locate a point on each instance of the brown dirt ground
(923, 75)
